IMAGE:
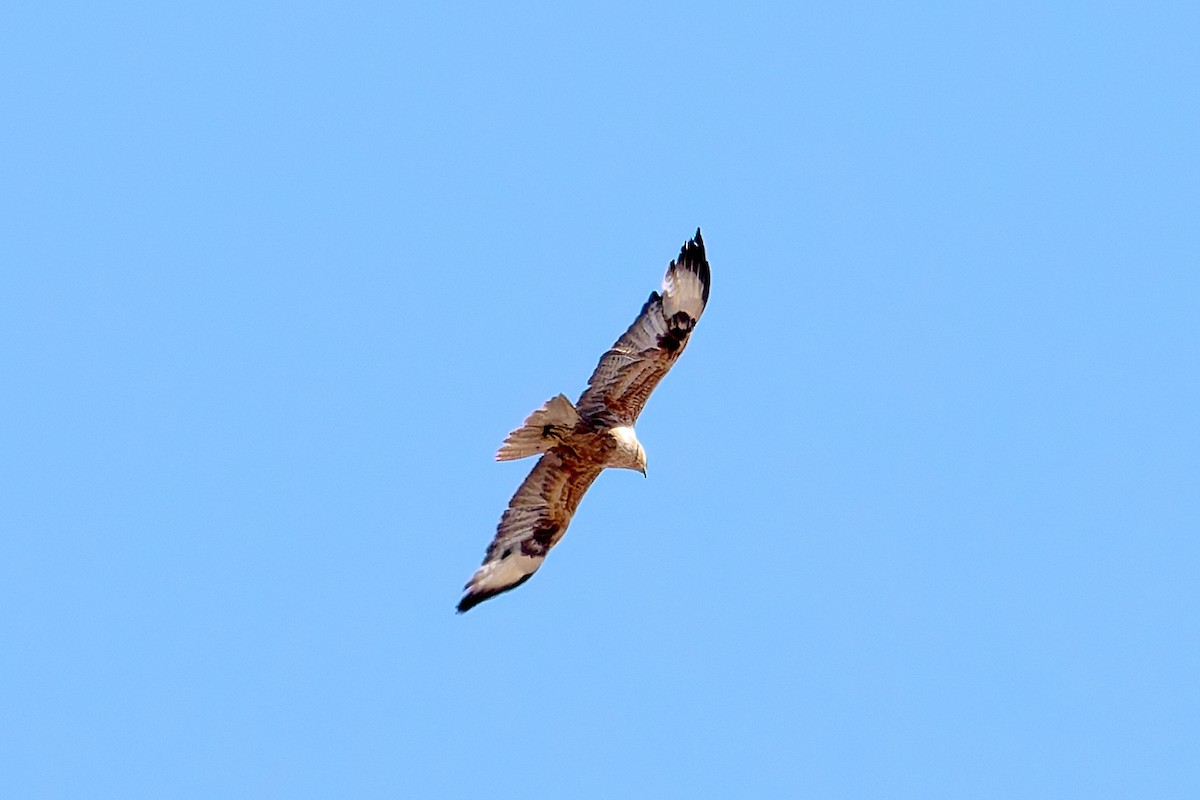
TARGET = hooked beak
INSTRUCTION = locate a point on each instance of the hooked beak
(643, 471)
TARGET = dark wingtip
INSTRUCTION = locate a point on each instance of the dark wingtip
(473, 599)
(692, 257)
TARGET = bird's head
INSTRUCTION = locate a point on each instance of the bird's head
(629, 453)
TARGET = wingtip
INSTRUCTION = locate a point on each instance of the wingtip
(468, 602)
(693, 249)
(474, 597)
(693, 257)
(465, 605)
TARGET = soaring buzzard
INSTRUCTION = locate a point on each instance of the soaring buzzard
(578, 441)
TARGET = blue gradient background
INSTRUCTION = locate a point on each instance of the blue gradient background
(924, 498)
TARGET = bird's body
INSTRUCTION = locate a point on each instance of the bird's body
(579, 441)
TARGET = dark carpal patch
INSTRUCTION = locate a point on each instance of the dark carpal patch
(682, 319)
(555, 431)
(678, 328)
(540, 541)
(672, 340)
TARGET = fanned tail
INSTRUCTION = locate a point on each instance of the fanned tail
(544, 429)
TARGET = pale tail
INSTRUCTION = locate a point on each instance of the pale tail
(544, 428)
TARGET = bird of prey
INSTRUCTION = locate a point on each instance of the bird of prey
(577, 442)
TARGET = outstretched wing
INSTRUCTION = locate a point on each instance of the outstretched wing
(628, 373)
(537, 517)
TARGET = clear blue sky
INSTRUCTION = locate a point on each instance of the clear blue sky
(923, 509)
